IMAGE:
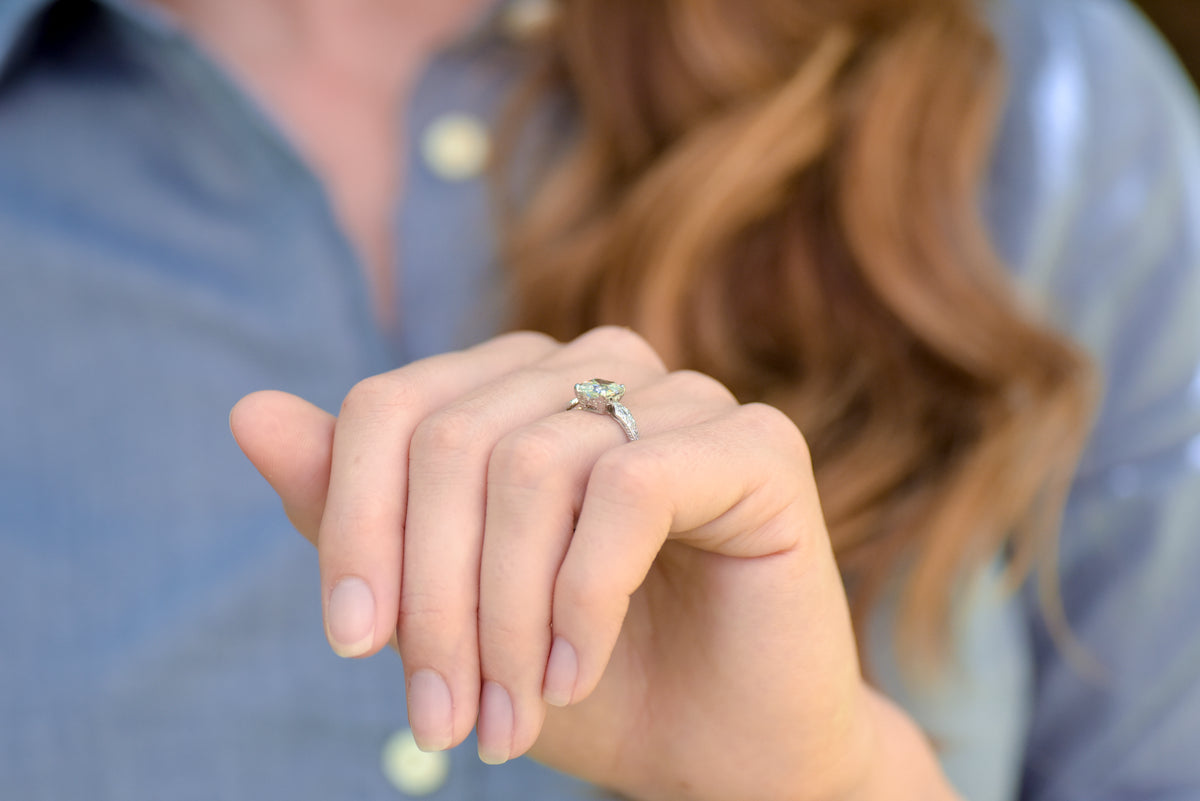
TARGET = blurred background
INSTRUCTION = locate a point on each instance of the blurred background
(1179, 20)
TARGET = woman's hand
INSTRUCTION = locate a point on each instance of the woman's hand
(675, 598)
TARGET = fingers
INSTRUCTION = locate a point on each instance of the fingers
(721, 486)
(444, 529)
(500, 538)
(290, 441)
(361, 530)
(444, 538)
(536, 481)
(535, 486)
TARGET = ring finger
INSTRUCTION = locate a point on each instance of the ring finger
(444, 532)
(536, 481)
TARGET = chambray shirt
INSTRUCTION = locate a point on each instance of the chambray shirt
(164, 250)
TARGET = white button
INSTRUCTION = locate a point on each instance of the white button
(411, 770)
(456, 146)
(525, 19)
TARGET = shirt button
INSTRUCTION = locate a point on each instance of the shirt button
(411, 770)
(523, 20)
(456, 146)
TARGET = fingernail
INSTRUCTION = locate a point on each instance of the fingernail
(350, 617)
(429, 711)
(495, 724)
(562, 670)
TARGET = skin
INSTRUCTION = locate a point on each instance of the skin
(711, 652)
(477, 527)
(336, 76)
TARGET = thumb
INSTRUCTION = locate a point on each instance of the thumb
(290, 441)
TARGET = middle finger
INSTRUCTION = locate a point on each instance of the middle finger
(536, 483)
(444, 528)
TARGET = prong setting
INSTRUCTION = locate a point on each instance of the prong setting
(602, 396)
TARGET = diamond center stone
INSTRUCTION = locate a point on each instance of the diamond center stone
(596, 394)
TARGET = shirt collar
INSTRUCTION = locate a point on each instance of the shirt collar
(16, 17)
(498, 19)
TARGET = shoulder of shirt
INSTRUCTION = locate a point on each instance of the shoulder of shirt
(1088, 46)
(1097, 103)
(1094, 204)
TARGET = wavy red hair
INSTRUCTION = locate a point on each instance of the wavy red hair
(786, 195)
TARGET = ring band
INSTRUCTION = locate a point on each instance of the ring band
(604, 397)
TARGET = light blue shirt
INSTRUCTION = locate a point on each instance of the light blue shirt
(163, 251)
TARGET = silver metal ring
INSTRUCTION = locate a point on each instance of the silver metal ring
(604, 397)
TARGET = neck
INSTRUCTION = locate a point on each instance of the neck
(372, 36)
(336, 75)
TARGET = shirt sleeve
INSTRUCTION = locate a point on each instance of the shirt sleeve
(1099, 210)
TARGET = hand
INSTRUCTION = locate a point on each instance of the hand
(675, 598)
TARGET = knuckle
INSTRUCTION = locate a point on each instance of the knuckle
(532, 341)
(628, 473)
(529, 458)
(353, 523)
(622, 340)
(436, 627)
(584, 595)
(592, 602)
(502, 633)
(771, 425)
(447, 431)
(421, 616)
(701, 386)
(378, 396)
